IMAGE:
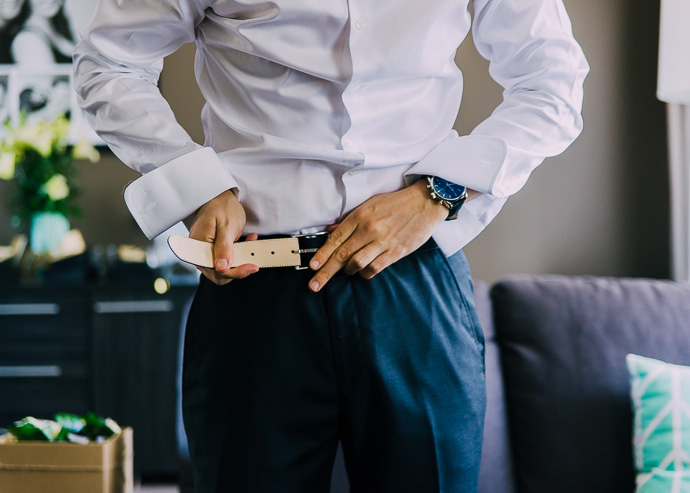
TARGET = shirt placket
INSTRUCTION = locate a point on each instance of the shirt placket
(355, 180)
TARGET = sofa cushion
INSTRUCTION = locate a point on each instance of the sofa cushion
(496, 470)
(563, 343)
(666, 482)
(661, 403)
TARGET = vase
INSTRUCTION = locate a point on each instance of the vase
(47, 230)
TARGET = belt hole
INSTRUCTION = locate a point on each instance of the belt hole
(252, 254)
(273, 253)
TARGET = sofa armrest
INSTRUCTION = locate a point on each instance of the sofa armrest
(496, 471)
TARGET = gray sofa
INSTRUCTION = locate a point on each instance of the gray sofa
(559, 417)
(558, 414)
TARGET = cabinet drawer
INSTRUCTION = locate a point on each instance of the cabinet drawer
(37, 330)
(42, 390)
(31, 348)
(40, 303)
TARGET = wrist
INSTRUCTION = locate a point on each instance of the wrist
(428, 203)
(230, 193)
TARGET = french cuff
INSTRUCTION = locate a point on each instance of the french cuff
(173, 191)
(473, 161)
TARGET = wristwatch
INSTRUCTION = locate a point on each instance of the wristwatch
(449, 194)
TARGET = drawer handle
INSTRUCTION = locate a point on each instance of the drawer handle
(149, 306)
(30, 309)
(30, 371)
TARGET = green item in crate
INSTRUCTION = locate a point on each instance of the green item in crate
(31, 428)
(70, 422)
(71, 425)
(96, 427)
(66, 428)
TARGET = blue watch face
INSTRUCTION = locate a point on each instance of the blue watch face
(447, 190)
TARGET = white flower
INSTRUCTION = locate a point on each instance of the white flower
(38, 136)
(56, 188)
(84, 150)
(44, 144)
(25, 135)
(7, 163)
(60, 127)
(42, 136)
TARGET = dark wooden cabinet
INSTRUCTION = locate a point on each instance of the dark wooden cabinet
(108, 349)
(44, 353)
(135, 346)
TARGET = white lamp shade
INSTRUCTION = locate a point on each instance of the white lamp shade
(673, 85)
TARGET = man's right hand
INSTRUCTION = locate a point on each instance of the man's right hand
(221, 221)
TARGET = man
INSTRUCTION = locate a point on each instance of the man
(332, 116)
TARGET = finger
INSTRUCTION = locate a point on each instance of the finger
(362, 259)
(222, 278)
(213, 276)
(379, 264)
(242, 271)
(222, 247)
(337, 261)
(335, 239)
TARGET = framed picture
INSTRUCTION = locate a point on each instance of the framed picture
(37, 38)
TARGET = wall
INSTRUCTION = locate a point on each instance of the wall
(600, 208)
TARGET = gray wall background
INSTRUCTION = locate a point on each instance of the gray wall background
(601, 208)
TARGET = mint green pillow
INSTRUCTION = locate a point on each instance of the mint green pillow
(663, 481)
(660, 395)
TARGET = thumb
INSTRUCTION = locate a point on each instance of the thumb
(222, 248)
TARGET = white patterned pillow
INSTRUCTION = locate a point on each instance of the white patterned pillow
(661, 401)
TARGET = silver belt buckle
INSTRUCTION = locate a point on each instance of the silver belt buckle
(308, 250)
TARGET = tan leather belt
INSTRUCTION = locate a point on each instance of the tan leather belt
(285, 251)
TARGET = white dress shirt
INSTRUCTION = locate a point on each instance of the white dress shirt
(314, 106)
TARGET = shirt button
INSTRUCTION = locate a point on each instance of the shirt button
(353, 172)
(359, 24)
(354, 146)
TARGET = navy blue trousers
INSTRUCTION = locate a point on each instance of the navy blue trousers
(393, 367)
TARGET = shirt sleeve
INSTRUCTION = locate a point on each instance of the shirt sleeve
(117, 64)
(534, 57)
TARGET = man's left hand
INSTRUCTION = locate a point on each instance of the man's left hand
(376, 234)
